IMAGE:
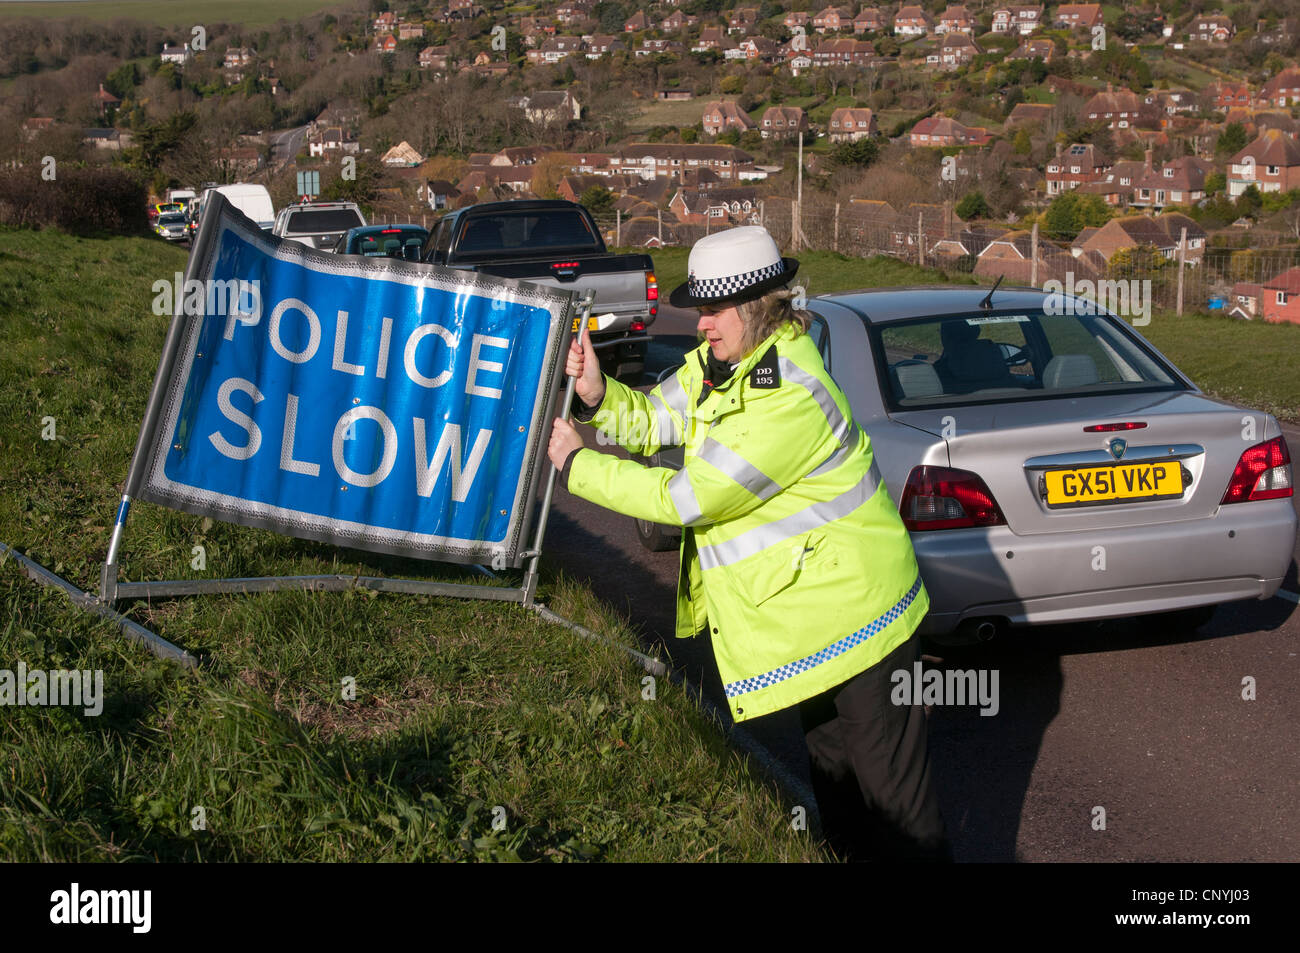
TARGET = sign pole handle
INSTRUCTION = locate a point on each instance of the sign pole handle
(530, 577)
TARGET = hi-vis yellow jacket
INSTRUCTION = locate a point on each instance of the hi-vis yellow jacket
(795, 556)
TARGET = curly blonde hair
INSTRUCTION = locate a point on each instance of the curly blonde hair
(766, 315)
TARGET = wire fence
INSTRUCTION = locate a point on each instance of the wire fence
(1205, 277)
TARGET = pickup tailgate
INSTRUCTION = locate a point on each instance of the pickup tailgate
(619, 282)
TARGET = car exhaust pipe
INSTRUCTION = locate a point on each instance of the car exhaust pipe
(980, 630)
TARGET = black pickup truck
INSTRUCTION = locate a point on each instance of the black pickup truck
(557, 243)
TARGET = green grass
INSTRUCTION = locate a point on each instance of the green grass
(460, 706)
(171, 12)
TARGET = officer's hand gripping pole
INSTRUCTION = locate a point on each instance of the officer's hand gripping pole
(530, 578)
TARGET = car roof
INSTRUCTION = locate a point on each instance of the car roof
(363, 229)
(883, 305)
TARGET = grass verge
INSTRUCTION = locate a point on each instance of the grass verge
(477, 730)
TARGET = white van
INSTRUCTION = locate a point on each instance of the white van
(253, 200)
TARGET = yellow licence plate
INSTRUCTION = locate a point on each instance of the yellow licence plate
(1135, 481)
(592, 325)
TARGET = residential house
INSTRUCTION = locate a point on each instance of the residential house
(1042, 48)
(967, 241)
(844, 51)
(659, 44)
(1282, 90)
(833, 19)
(104, 101)
(1245, 300)
(945, 131)
(1030, 114)
(438, 193)
(554, 49)
(1011, 257)
(677, 20)
(760, 49)
(180, 55)
(1017, 19)
(573, 11)
(1116, 185)
(912, 21)
(102, 138)
(402, 156)
(849, 124)
(869, 20)
(1118, 108)
(956, 51)
(36, 125)
(410, 31)
(1279, 298)
(385, 44)
(742, 20)
(710, 39)
(796, 18)
(326, 141)
(1074, 166)
(385, 22)
(549, 105)
(463, 10)
(1212, 28)
(723, 114)
(1271, 163)
(636, 22)
(1078, 16)
(649, 159)
(783, 122)
(1180, 181)
(1160, 232)
(927, 222)
(237, 56)
(672, 95)
(603, 44)
(955, 19)
(1229, 95)
(737, 205)
(435, 57)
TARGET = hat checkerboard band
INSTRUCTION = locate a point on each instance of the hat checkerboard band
(730, 284)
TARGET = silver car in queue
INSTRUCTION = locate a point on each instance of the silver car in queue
(1051, 465)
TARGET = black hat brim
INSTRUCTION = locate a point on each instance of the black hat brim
(682, 298)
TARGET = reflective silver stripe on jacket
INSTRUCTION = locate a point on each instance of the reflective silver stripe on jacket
(675, 398)
(667, 429)
(796, 524)
(683, 497)
(839, 424)
(737, 468)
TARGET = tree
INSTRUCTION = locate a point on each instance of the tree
(1137, 260)
(732, 85)
(1232, 140)
(1215, 183)
(861, 153)
(1249, 202)
(597, 200)
(1071, 212)
(972, 206)
(1022, 144)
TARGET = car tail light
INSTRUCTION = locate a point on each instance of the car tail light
(944, 498)
(1111, 428)
(638, 325)
(1262, 473)
(651, 286)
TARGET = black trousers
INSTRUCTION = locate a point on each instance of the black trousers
(871, 769)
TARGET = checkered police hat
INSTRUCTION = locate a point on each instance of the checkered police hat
(736, 265)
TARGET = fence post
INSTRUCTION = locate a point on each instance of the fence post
(618, 228)
(659, 215)
(1182, 260)
(762, 219)
(1033, 256)
(920, 238)
(835, 242)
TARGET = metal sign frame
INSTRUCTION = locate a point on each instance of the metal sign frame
(112, 591)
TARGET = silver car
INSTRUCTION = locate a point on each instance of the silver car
(1051, 465)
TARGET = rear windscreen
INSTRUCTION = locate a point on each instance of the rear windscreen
(391, 244)
(537, 230)
(978, 357)
(315, 221)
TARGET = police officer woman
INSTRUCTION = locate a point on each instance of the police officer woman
(794, 558)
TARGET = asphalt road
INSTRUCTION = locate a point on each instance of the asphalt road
(1133, 716)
